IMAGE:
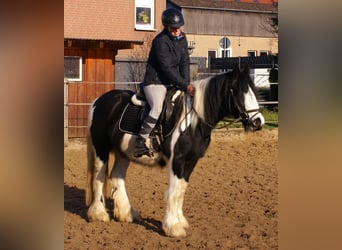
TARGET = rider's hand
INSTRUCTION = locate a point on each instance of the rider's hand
(190, 90)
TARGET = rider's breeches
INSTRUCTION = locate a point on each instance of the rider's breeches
(155, 95)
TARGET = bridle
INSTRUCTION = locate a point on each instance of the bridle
(243, 113)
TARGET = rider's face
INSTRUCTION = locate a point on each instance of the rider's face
(175, 31)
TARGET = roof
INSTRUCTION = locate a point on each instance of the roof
(241, 5)
(101, 43)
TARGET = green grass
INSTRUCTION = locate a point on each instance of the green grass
(270, 115)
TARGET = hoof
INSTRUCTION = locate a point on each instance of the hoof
(130, 216)
(174, 231)
(97, 213)
(183, 222)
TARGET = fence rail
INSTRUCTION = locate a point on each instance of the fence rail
(226, 63)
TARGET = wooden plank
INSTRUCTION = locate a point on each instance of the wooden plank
(99, 73)
(109, 67)
(90, 66)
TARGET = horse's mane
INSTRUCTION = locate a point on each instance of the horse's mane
(209, 94)
(211, 100)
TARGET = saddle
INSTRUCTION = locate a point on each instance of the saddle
(137, 109)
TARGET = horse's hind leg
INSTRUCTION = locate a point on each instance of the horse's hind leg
(95, 180)
(123, 210)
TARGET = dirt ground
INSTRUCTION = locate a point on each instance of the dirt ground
(231, 201)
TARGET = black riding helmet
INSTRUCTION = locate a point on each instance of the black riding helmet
(172, 18)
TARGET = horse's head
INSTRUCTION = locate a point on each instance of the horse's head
(243, 98)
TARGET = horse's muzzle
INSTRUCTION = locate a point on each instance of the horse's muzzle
(253, 125)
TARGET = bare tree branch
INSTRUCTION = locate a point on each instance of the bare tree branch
(138, 59)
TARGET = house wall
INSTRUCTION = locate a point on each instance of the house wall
(226, 22)
(97, 77)
(246, 30)
(101, 19)
(146, 36)
(238, 45)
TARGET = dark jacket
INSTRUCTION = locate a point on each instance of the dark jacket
(168, 61)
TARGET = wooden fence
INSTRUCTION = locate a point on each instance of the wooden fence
(78, 97)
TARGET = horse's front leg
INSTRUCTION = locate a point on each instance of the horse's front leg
(174, 223)
(123, 211)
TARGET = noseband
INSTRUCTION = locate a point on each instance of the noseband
(243, 113)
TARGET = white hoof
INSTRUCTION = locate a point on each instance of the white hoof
(176, 230)
(183, 222)
(129, 216)
(97, 212)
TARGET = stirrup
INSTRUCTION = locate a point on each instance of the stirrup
(140, 147)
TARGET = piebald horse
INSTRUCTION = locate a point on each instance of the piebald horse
(229, 94)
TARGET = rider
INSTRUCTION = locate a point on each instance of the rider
(167, 65)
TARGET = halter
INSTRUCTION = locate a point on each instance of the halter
(243, 113)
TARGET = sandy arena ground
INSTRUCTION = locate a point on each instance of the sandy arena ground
(231, 201)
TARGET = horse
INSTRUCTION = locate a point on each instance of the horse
(230, 94)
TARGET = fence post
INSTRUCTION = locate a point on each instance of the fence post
(66, 127)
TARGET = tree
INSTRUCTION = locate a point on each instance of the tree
(138, 59)
(272, 22)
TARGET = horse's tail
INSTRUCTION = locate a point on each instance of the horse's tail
(91, 161)
(90, 172)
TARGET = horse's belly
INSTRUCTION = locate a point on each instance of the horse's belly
(127, 147)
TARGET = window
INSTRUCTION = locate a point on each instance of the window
(251, 53)
(211, 54)
(263, 53)
(226, 53)
(144, 14)
(73, 68)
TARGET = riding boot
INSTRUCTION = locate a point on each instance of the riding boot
(140, 147)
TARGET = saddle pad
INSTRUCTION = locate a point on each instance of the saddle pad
(130, 121)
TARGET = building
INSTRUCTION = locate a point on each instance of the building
(229, 28)
(94, 33)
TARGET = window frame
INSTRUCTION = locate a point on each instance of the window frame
(142, 5)
(229, 50)
(263, 51)
(79, 79)
(208, 57)
(251, 51)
